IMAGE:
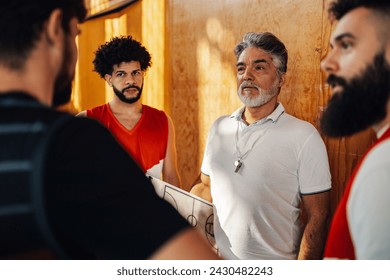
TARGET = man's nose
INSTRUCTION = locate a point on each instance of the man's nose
(329, 64)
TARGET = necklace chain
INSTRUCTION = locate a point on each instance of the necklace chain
(239, 162)
(238, 152)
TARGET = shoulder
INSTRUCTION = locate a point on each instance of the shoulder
(155, 117)
(82, 114)
(377, 158)
(153, 111)
(298, 133)
(296, 128)
(223, 120)
(296, 123)
(96, 110)
(87, 145)
(222, 123)
(78, 132)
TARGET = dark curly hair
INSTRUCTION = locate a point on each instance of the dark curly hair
(120, 49)
(339, 8)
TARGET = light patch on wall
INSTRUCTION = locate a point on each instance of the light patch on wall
(213, 30)
(153, 38)
(216, 75)
(75, 98)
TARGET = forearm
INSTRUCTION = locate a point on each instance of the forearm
(172, 178)
(313, 241)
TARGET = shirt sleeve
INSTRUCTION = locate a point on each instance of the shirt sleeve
(206, 168)
(368, 207)
(99, 200)
(313, 169)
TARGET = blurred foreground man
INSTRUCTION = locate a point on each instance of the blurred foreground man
(359, 75)
(65, 183)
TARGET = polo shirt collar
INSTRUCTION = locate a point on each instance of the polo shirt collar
(274, 116)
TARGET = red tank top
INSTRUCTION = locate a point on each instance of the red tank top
(147, 142)
(339, 244)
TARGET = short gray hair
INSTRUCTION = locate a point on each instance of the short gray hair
(269, 43)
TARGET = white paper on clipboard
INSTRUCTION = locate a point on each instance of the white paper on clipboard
(197, 211)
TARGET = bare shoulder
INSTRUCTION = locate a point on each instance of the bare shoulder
(82, 114)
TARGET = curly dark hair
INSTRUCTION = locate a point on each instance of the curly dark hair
(120, 49)
(339, 8)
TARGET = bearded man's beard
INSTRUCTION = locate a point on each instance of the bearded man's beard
(360, 103)
(263, 97)
(63, 83)
(121, 94)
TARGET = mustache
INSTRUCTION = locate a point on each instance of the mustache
(334, 80)
(248, 84)
(130, 87)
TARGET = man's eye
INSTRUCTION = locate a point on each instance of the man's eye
(346, 45)
(259, 67)
(240, 70)
(136, 73)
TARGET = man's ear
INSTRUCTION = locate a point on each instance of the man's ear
(108, 79)
(54, 29)
(282, 79)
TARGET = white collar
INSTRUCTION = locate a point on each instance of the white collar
(274, 116)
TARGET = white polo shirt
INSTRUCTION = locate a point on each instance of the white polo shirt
(256, 210)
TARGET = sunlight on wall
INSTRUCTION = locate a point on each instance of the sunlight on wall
(215, 72)
(75, 97)
(153, 38)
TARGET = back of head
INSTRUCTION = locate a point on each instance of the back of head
(118, 50)
(269, 43)
(21, 23)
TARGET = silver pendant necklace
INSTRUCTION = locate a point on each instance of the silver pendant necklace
(239, 162)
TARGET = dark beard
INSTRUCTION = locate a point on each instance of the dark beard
(361, 103)
(62, 94)
(63, 83)
(123, 98)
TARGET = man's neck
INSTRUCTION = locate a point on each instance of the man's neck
(127, 114)
(120, 107)
(254, 114)
(381, 126)
(30, 80)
